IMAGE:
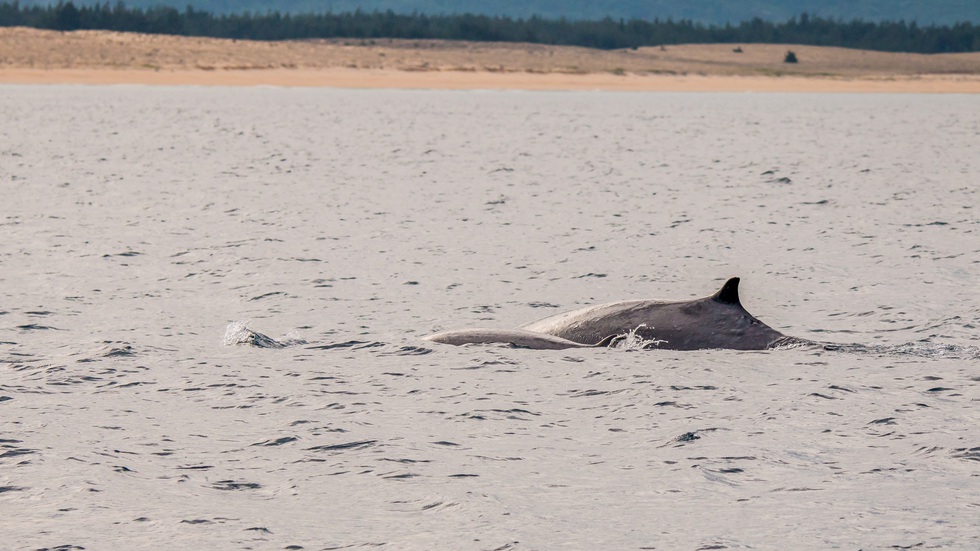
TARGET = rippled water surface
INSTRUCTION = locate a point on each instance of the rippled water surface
(212, 304)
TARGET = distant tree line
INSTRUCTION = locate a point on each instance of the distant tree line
(604, 34)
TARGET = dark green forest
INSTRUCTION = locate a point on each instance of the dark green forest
(718, 12)
(607, 33)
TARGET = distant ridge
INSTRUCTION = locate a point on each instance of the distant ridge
(932, 12)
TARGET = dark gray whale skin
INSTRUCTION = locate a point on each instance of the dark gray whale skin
(717, 321)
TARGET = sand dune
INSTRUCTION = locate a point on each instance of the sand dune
(36, 56)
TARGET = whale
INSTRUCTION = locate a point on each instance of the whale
(718, 321)
(518, 338)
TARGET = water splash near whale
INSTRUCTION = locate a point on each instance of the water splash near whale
(239, 333)
(634, 340)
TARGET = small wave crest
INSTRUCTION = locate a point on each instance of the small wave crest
(239, 333)
(790, 343)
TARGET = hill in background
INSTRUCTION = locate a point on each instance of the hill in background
(939, 12)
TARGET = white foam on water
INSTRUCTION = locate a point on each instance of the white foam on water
(239, 333)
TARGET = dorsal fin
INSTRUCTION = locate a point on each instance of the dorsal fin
(728, 293)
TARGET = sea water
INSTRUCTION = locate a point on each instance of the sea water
(212, 302)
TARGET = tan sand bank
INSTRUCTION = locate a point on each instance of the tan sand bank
(103, 57)
(389, 78)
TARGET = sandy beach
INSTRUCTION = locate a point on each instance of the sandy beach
(30, 56)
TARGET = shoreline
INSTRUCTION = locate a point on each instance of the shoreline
(485, 80)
